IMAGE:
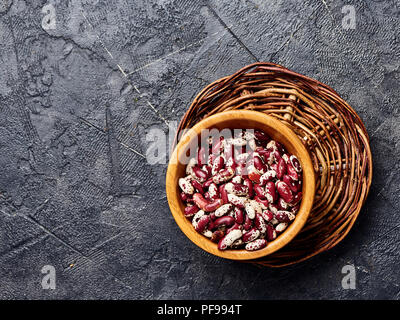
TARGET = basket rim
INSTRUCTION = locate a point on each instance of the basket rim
(359, 181)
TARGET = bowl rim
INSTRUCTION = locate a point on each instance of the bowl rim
(308, 182)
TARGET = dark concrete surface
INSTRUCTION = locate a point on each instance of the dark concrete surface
(84, 199)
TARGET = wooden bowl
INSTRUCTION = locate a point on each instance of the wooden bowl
(243, 119)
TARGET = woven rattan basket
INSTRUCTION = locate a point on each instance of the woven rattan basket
(330, 129)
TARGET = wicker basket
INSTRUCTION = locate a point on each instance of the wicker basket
(331, 130)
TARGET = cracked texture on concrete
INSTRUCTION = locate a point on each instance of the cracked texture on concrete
(77, 101)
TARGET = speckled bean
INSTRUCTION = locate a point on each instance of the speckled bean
(229, 239)
(256, 245)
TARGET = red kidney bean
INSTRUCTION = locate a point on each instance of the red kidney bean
(223, 221)
(285, 216)
(259, 164)
(293, 185)
(223, 210)
(200, 201)
(186, 186)
(237, 189)
(258, 207)
(248, 223)
(237, 179)
(295, 163)
(267, 176)
(277, 156)
(260, 224)
(207, 169)
(205, 205)
(256, 245)
(190, 211)
(250, 212)
(274, 166)
(281, 227)
(207, 183)
(267, 215)
(268, 156)
(207, 233)
(234, 227)
(238, 215)
(200, 221)
(224, 175)
(202, 224)
(260, 150)
(247, 182)
(264, 202)
(184, 197)
(282, 205)
(197, 185)
(199, 174)
(224, 194)
(212, 216)
(271, 191)
(284, 191)
(229, 239)
(281, 169)
(213, 191)
(260, 192)
(213, 205)
(271, 233)
(292, 173)
(217, 235)
(273, 208)
(251, 235)
(237, 201)
(218, 165)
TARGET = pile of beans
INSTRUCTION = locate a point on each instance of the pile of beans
(243, 192)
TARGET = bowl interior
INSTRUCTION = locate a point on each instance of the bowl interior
(243, 119)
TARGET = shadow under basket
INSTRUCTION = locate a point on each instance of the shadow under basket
(330, 129)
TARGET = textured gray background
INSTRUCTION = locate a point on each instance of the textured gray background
(83, 199)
